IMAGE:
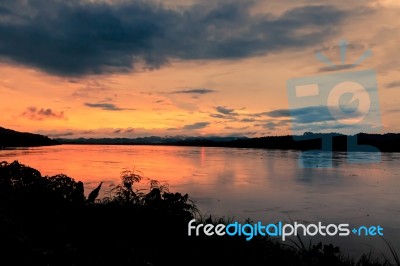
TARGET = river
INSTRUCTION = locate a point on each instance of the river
(263, 185)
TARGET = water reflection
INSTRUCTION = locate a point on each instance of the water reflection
(263, 185)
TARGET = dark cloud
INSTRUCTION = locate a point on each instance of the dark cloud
(336, 67)
(248, 120)
(322, 126)
(224, 110)
(278, 113)
(106, 106)
(273, 125)
(269, 125)
(351, 47)
(262, 118)
(309, 114)
(262, 114)
(59, 135)
(121, 130)
(193, 91)
(314, 119)
(393, 84)
(78, 37)
(194, 126)
(218, 116)
(35, 113)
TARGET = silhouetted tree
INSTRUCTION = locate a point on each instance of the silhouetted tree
(94, 194)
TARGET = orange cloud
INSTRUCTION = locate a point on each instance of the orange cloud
(34, 113)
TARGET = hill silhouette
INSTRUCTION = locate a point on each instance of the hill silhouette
(389, 142)
(12, 138)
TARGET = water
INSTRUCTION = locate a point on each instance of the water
(263, 185)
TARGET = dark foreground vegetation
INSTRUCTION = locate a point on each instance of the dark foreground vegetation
(49, 221)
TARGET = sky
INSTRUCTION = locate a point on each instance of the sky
(96, 68)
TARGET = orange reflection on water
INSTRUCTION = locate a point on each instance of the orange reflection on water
(203, 154)
(259, 184)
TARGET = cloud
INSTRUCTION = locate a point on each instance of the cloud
(107, 106)
(35, 113)
(221, 116)
(256, 115)
(336, 67)
(121, 131)
(309, 114)
(396, 110)
(278, 113)
(224, 110)
(317, 119)
(193, 91)
(269, 125)
(199, 125)
(393, 84)
(236, 128)
(273, 125)
(138, 132)
(247, 120)
(325, 126)
(79, 37)
(91, 89)
(60, 135)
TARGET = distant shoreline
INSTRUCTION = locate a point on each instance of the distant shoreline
(385, 143)
(11, 138)
(389, 142)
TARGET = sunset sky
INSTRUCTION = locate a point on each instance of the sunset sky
(138, 68)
